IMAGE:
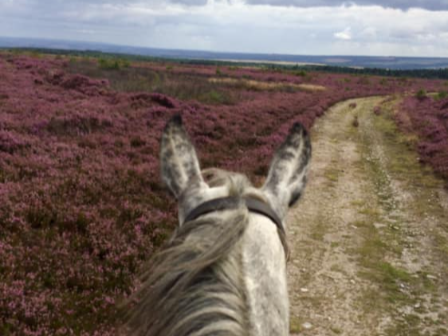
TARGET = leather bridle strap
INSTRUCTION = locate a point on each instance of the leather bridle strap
(252, 204)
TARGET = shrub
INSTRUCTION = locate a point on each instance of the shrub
(442, 94)
(300, 73)
(108, 64)
(113, 64)
(421, 94)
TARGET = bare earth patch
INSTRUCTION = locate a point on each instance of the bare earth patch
(369, 239)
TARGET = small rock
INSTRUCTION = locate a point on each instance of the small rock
(307, 325)
(379, 226)
(431, 277)
(352, 281)
(417, 305)
(304, 290)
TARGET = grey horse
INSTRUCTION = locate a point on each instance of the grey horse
(224, 270)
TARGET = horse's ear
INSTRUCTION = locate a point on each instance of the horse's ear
(179, 162)
(287, 174)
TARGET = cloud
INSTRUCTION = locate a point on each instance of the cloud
(434, 5)
(232, 25)
(344, 35)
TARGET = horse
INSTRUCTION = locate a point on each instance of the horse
(223, 272)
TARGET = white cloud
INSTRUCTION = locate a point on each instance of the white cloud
(346, 34)
(400, 4)
(233, 25)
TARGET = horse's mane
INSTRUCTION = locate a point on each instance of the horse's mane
(195, 286)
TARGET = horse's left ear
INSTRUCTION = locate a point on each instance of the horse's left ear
(288, 172)
(179, 162)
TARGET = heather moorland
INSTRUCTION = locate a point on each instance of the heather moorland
(82, 207)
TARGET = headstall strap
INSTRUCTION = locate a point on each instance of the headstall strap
(219, 204)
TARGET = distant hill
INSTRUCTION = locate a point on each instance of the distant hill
(394, 63)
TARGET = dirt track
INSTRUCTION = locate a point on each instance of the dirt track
(369, 239)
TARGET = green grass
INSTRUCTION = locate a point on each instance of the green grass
(319, 229)
(332, 174)
(215, 97)
(295, 325)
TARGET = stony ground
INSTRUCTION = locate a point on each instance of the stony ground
(370, 237)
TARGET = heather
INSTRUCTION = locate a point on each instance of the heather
(81, 203)
(427, 117)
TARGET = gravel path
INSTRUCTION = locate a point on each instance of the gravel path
(370, 237)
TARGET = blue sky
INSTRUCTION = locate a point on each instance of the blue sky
(361, 27)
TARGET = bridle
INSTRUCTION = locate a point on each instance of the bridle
(253, 205)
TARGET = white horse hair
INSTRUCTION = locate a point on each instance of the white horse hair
(223, 273)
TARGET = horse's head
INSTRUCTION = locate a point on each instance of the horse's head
(209, 280)
(182, 174)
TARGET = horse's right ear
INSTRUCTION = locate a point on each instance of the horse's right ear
(287, 174)
(179, 162)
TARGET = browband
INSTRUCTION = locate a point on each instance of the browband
(219, 204)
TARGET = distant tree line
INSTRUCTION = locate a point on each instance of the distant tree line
(418, 73)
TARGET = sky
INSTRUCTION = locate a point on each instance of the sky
(303, 27)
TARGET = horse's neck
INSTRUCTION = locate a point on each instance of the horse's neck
(265, 278)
